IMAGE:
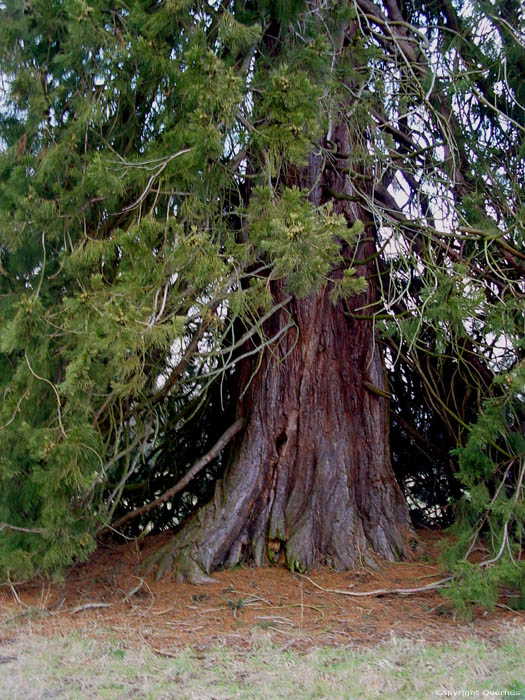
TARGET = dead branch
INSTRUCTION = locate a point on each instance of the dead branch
(382, 591)
(133, 591)
(195, 469)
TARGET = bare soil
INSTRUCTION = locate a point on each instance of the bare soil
(106, 598)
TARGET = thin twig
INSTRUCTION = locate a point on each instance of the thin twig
(17, 409)
(88, 606)
(34, 530)
(43, 379)
(133, 591)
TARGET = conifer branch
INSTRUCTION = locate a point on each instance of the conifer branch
(16, 411)
(257, 327)
(154, 177)
(31, 530)
(43, 379)
(105, 467)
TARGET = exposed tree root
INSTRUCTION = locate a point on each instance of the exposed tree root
(169, 558)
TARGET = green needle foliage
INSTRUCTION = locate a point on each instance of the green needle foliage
(126, 245)
(147, 205)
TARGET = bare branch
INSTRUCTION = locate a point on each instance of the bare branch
(193, 471)
(33, 530)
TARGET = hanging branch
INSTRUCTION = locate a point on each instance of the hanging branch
(32, 530)
(43, 379)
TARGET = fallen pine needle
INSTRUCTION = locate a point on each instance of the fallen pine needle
(163, 612)
(160, 652)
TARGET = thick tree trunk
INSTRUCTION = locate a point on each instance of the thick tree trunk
(310, 481)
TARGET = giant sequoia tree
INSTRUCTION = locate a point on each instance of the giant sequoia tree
(228, 221)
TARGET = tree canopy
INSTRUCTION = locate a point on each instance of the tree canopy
(149, 201)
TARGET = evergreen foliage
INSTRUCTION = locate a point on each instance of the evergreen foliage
(145, 207)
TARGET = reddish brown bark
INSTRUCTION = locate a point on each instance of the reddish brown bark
(312, 475)
(311, 480)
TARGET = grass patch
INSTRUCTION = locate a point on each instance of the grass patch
(77, 667)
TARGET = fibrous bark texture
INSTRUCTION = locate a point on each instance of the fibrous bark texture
(311, 479)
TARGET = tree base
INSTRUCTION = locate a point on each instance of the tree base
(310, 481)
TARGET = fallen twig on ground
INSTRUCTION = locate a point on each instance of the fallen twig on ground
(382, 591)
(87, 606)
(133, 591)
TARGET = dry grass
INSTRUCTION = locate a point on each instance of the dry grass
(263, 633)
(36, 667)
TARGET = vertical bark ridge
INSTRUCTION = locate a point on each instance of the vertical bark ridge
(311, 479)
